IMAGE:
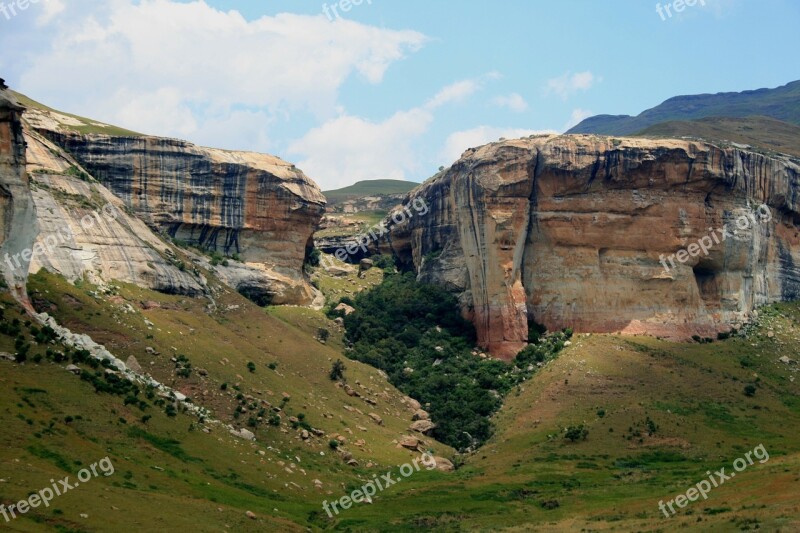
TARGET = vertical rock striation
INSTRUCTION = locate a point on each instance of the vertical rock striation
(18, 227)
(237, 203)
(575, 231)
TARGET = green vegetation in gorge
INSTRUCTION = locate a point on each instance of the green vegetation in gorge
(414, 333)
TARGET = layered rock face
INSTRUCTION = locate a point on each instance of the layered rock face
(577, 231)
(86, 233)
(18, 226)
(254, 205)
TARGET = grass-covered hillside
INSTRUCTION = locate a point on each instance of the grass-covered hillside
(593, 441)
(368, 188)
(649, 418)
(261, 370)
(760, 132)
(780, 103)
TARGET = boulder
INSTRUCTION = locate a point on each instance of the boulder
(339, 272)
(422, 426)
(444, 465)
(346, 309)
(375, 418)
(245, 434)
(420, 414)
(134, 365)
(410, 443)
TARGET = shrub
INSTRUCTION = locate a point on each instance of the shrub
(384, 262)
(576, 433)
(251, 366)
(750, 391)
(313, 257)
(337, 370)
(334, 444)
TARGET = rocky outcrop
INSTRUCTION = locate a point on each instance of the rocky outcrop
(369, 203)
(87, 233)
(18, 226)
(252, 206)
(577, 231)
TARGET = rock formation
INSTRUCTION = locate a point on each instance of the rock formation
(18, 226)
(575, 231)
(254, 207)
(85, 231)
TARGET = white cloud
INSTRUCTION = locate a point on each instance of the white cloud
(349, 148)
(458, 142)
(457, 92)
(576, 117)
(187, 69)
(50, 8)
(568, 84)
(514, 102)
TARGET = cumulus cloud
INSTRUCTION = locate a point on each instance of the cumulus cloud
(568, 84)
(514, 102)
(459, 141)
(350, 148)
(182, 68)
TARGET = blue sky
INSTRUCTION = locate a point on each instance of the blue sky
(392, 89)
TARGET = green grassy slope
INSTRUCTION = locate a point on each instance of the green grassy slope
(368, 188)
(781, 103)
(658, 414)
(761, 132)
(170, 472)
(529, 477)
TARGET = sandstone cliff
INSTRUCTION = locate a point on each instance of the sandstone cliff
(248, 205)
(17, 216)
(569, 231)
(85, 231)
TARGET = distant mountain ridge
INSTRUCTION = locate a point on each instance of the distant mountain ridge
(364, 188)
(759, 132)
(781, 103)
